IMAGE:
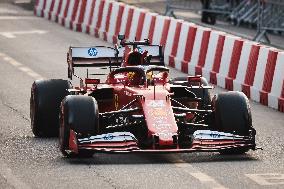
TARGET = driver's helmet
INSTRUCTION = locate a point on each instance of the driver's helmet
(134, 58)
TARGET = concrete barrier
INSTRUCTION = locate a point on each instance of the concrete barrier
(230, 54)
(148, 25)
(199, 51)
(172, 42)
(214, 54)
(276, 96)
(160, 32)
(225, 60)
(247, 64)
(263, 74)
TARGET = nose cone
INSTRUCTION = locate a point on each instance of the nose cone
(161, 122)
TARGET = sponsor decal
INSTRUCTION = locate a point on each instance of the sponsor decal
(156, 103)
(162, 127)
(121, 120)
(127, 93)
(116, 101)
(108, 137)
(140, 50)
(158, 112)
(215, 135)
(92, 51)
(165, 135)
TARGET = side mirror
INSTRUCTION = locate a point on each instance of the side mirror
(121, 37)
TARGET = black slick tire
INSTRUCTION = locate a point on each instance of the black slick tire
(232, 114)
(79, 113)
(46, 96)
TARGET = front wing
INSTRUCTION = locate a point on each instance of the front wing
(125, 142)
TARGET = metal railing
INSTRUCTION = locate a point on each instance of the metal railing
(209, 6)
(270, 18)
(264, 15)
(245, 12)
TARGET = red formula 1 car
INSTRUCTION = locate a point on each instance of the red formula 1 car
(138, 108)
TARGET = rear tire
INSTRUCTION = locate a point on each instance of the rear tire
(79, 113)
(45, 99)
(232, 115)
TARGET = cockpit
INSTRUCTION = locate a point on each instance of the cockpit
(139, 75)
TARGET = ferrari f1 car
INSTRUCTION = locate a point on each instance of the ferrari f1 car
(137, 108)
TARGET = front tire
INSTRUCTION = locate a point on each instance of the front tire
(232, 115)
(79, 113)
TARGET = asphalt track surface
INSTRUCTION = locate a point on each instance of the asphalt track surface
(33, 48)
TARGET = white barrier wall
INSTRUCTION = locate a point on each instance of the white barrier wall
(198, 47)
(277, 91)
(185, 47)
(225, 60)
(212, 53)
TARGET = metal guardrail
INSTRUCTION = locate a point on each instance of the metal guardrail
(265, 15)
(270, 18)
(213, 6)
(209, 8)
(245, 12)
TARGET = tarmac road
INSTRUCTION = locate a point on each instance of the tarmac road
(33, 48)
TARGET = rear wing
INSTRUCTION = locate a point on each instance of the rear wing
(101, 56)
(96, 56)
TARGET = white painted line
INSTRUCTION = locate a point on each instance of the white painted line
(7, 173)
(21, 67)
(9, 11)
(12, 61)
(13, 34)
(267, 179)
(7, 35)
(202, 177)
(18, 17)
(22, 1)
(34, 75)
(25, 69)
(182, 164)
